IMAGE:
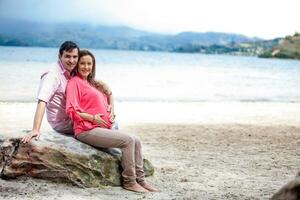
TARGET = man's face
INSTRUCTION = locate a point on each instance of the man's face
(69, 59)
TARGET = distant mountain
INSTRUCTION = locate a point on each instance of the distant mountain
(24, 33)
(289, 47)
(211, 38)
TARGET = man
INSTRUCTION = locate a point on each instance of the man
(51, 94)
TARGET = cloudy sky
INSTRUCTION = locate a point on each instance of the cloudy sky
(262, 18)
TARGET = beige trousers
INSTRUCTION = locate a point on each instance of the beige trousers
(131, 161)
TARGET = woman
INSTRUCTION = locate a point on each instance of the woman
(88, 109)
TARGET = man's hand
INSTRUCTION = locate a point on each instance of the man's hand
(99, 120)
(112, 115)
(29, 136)
(38, 117)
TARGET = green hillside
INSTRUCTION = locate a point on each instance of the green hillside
(289, 47)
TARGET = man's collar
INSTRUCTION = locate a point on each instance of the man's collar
(61, 66)
(63, 70)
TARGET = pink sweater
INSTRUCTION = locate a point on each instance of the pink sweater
(82, 97)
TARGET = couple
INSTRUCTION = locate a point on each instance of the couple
(76, 103)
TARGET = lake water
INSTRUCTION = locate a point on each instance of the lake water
(160, 77)
(156, 87)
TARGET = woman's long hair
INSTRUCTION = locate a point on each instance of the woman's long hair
(91, 76)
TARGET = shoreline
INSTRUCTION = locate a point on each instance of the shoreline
(17, 117)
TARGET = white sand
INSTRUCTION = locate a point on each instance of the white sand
(15, 117)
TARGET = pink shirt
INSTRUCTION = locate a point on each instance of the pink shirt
(52, 91)
(82, 97)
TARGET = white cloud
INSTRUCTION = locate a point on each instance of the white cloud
(250, 17)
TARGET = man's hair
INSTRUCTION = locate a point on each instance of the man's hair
(67, 46)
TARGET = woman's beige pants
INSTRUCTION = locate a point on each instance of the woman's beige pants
(131, 161)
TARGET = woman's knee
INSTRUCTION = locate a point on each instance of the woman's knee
(137, 141)
(132, 140)
(129, 140)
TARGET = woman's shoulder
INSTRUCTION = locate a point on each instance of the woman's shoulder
(75, 80)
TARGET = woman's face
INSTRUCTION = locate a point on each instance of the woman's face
(85, 66)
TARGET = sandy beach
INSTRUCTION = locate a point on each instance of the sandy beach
(199, 150)
(243, 157)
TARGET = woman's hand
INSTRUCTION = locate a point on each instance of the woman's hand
(112, 115)
(98, 120)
